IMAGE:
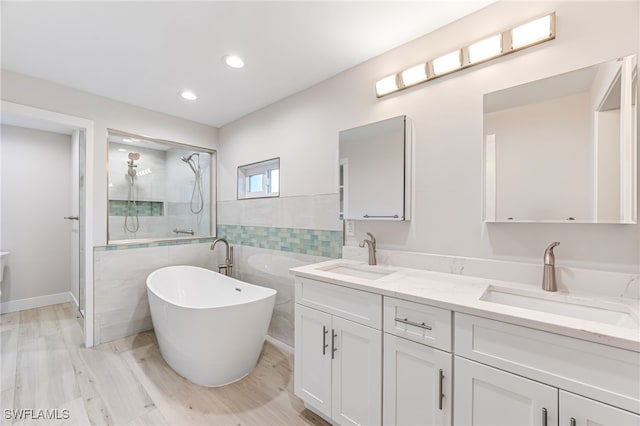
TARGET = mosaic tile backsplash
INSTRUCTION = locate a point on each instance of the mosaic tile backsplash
(306, 241)
(145, 208)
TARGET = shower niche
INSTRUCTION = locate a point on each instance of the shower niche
(158, 190)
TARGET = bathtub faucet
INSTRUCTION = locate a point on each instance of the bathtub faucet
(227, 266)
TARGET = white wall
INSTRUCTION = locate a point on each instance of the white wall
(105, 113)
(447, 117)
(36, 195)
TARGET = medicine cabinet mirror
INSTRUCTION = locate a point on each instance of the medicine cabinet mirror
(564, 149)
(375, 171)
(158, 190)
(259, 180)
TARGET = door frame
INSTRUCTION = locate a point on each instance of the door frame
(37, 118)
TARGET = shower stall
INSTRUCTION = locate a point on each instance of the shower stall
(158, 190)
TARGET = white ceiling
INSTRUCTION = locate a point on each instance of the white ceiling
(144, 53)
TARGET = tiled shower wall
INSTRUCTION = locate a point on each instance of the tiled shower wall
(272, 235)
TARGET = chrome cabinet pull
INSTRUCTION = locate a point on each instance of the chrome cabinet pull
(333, 343)
(441, 389)
(395, 216)
(572, 422)
(415, 324)
(71, 218)
(325, 345)
(544, 417)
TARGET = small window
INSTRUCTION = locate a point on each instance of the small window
(259, 180)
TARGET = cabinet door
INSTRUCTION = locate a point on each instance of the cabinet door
(357, 374)
(312, 364)
(415, 378)
(587, 412)
(486, 396)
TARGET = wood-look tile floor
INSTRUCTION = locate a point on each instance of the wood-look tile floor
(44, 366)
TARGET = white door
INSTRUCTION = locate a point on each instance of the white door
(312, 381)
(357, 374)
(486, 396)
(417, 384)
(579, 411)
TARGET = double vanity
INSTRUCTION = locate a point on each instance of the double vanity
(398, 346)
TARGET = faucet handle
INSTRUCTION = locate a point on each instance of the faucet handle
(549, 256)
(372, 238)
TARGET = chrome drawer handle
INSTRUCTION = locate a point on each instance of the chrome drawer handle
(441, 390)
(333, 343)
(415, 324)
(325, 345)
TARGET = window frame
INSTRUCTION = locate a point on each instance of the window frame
(264, 168)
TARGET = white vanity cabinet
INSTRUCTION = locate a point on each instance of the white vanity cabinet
(338, 352)
(417, 377)
(507, 374)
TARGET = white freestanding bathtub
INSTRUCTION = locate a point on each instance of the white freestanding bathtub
(210, 327)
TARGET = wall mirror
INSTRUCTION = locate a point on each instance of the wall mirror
(375, 170)
(564, 149)
(259, 180)
(158, 190)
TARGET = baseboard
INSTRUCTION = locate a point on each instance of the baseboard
(74, 301)
(280, 344)
(35, 302)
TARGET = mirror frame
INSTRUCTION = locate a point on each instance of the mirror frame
(212, 182)
(629, 143)
(407, 173)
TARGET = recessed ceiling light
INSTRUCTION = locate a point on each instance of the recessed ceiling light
(233, 61)
(127, 140)
(188, 95)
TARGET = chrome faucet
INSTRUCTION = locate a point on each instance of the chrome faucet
(371, 243)
(549, 275)
(227, 266)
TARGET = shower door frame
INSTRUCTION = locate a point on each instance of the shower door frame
(32, 117)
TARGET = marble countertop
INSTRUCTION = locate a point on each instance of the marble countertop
(462, 294)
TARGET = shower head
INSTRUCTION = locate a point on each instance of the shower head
(192, 163)
(134, 156)
(187, 159)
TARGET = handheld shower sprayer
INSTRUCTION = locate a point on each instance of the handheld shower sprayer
(191, 162)
(133, 156)
(197, 200)
(132, 204)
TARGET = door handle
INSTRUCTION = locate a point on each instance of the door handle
(544, 417)
(72, 218)
(572, 422)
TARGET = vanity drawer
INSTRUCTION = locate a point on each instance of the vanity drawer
(421, 323)
(597, 371)
(355, 305)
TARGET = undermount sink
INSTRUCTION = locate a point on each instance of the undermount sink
(358, 271)
(612, 313)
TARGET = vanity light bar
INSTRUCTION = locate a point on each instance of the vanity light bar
(512, 40)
